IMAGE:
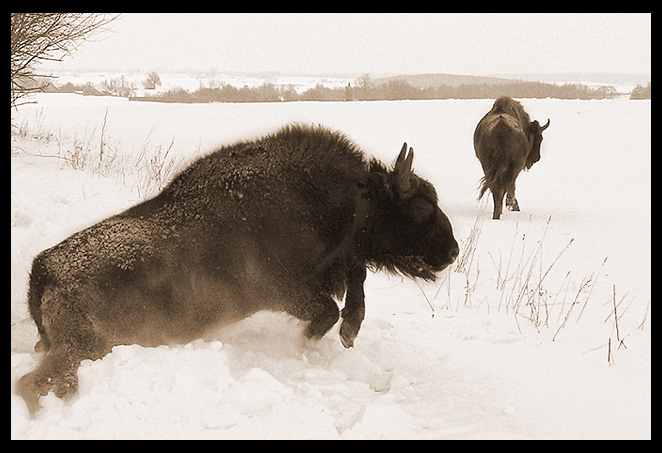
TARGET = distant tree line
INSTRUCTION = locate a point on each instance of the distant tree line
(641, 92)
(363, 89)
(118, 86)
(393, 90)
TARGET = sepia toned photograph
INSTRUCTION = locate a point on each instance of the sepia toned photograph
(342, 226)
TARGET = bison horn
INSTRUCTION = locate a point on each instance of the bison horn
(545, 126)
(403, 168)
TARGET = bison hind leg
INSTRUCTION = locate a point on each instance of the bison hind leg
(55, 374)
(511, 203)
(497, 196)
(69, 338)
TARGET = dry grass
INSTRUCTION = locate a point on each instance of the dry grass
(536, 292)
(147, 171)
(519, 283)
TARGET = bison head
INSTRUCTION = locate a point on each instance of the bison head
(535, 137)
(412, 235)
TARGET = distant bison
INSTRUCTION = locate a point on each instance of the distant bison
(288, 222)
(506, 142)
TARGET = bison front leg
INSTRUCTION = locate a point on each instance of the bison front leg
(323, 316)
(354, 311)
(317, 307)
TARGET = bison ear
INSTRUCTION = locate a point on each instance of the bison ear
(403, 169)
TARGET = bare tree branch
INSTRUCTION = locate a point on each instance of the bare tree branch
(39, 37)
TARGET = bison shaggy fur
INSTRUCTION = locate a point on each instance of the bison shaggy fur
(288, 222)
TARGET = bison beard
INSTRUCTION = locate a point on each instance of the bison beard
(288, 222)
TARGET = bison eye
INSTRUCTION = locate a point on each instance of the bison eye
(421, 210)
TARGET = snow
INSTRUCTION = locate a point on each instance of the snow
(458, 359)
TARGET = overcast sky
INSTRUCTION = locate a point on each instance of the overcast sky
(375, 43)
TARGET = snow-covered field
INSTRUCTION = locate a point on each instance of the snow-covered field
(515, 344)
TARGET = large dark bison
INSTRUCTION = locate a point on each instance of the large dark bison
(288, 222)
(506, 142)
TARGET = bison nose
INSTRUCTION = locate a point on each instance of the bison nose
(452, 254)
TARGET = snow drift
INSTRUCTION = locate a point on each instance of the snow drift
(455, 359)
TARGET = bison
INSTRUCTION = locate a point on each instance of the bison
(288, 222)
(506, 142)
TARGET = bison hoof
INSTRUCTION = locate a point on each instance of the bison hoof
(512, 205)
(347, 342)
(27, 389)
(32, 386)
(66, 386)
(348, 333)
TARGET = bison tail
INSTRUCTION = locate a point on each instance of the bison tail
(38, 282)
(483, 187)
(496, 178)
